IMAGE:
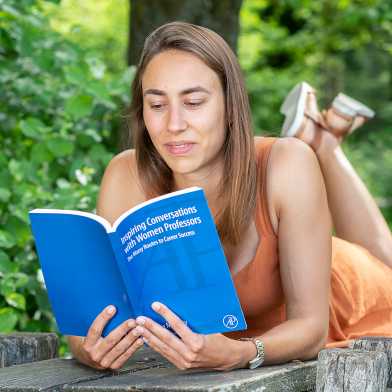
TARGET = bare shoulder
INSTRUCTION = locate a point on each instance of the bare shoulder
(293, 175)
(120, 187)
(288, 152)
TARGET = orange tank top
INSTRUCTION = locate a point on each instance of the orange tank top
(361, 291)
(258, 283)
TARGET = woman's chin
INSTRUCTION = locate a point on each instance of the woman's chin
(182, 168)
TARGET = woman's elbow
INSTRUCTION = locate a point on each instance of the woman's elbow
(318, 340)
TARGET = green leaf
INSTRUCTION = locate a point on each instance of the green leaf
(16, 170)
(33, 128)
(42, 299)
(77, 74)
(8, 319)
(99, 91)
(6, 240)
(79, 106)
(7, 285)
(35, 325)
(6, 265)
(16, 300)
(21, 279)
(60, 147)
(13, 281)
(40, 153)
(18, 229)
(5, 194)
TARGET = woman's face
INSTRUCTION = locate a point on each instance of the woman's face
(184, 112)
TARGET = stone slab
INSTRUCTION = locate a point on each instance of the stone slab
(377, 343)
(23, 347)
(295, 376)
(52, 375)
(351, 370)
(148, 371)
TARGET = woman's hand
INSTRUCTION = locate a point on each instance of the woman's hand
(192, 350)
(112, 351)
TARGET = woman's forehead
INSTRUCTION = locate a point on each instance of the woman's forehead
(174, 71)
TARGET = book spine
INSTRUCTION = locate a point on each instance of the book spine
(121, 263)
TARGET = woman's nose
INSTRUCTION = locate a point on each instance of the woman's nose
(176, 122)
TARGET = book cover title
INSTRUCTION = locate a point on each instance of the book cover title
(159, 229)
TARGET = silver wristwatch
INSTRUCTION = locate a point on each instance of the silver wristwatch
(259, 358)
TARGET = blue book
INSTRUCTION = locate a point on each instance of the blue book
(166, 249)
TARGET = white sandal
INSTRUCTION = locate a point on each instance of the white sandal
(352, 115)
(293, 108)
(351, 107)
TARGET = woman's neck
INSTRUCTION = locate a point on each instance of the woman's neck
(209, 180)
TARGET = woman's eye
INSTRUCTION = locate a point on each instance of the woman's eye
(193, 104)
(157, 106)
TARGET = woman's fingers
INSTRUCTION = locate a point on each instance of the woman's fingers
(181, 329)
(95, 331)
(104, 351)
(117, 337)
(128, 340)
(161, 347)
(148, 326)
(127, 354)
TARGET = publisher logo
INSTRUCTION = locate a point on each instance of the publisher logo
(230, 321)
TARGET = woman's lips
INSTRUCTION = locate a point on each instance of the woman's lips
(180, 148)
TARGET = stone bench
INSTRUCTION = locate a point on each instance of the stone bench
(368, 369)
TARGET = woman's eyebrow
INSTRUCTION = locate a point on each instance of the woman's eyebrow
(190, 90)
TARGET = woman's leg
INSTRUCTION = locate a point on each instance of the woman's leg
(355, 214)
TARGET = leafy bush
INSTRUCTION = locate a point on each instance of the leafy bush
(60, 113)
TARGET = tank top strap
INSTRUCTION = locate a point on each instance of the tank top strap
(263, 147)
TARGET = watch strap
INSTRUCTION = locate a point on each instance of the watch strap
(259, 358)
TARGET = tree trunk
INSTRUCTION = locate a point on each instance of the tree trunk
(221, 16)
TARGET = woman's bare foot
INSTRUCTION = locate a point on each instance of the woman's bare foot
(314, 129)
(341, 124)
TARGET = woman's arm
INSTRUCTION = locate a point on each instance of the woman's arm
(120, 190)
(297, 192)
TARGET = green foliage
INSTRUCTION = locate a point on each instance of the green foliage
(332, 44)
(336, 45)
(59, 119)
(99, 26)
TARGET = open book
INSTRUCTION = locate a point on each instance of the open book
(166, 249)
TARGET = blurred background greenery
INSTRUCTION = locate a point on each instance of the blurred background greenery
(65, 78)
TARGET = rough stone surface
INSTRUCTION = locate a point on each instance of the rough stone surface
(18, 348)
(377, 343)
(54, 374)
(148, 371)
(282, 378)
(351, 371)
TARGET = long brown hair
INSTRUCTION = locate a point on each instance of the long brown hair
(237, 190)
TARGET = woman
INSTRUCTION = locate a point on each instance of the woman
(191, 125)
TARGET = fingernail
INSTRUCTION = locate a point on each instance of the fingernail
(111, 309)
(135, 332)
(141, 320)
(144, 340)
(156, 305)
(131, 323)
